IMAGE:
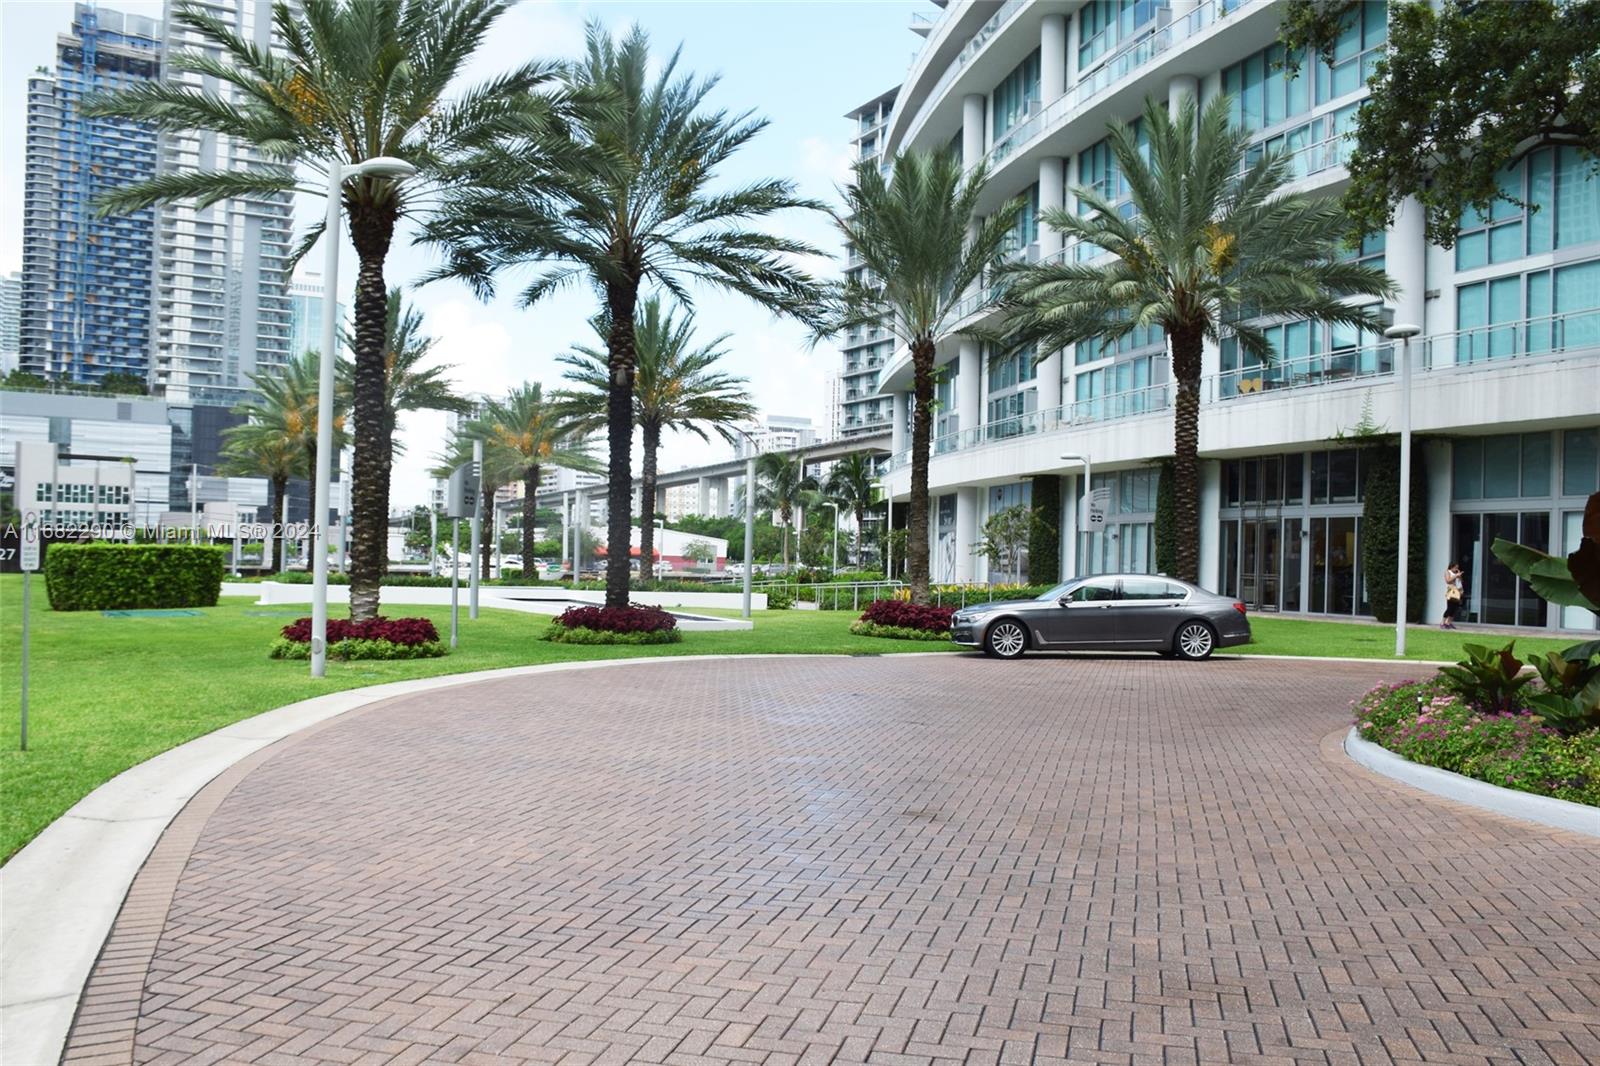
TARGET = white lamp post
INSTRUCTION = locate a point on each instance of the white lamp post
(1403, 332)
(749, 526)
(377, 167)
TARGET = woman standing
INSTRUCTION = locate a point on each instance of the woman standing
(1453, 594)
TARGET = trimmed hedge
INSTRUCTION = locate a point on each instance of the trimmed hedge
(122, 577)
(284, 648)
(1380, 532)
(899, 615)
(872, 629)
(1044, 541)
(560, 634)
(1166, 520)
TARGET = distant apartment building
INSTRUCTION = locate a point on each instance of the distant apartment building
(10, 313)
(859, 408)
(307, 298)
(222, 279)
(776, 433)
(84, 309)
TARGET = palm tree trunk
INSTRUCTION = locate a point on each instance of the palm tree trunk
(647, 502)
(1186, 349)
(620, 301)
(861, 533)
(788, 516)
(921, 444)
(280, 514)
(530, 512)
(371, 229)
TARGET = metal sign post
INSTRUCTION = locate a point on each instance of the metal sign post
(29, 544)
(1092, 517)
(477, 529)
(461, 500)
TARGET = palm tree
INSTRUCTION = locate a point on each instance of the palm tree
(350, 80)
(279, 435)
(256, 449)
(407, 386)
(1215, 247)
(911, 231)
(781, 487)
(522, 434)
(639, 211)
(850, 485)
(674, 387)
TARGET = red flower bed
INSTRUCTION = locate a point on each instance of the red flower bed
(394, 630)
(908, 615)
(630, 619)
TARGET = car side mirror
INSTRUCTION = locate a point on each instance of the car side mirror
(1065, 601)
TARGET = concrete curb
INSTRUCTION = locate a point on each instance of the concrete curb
(1545, 810)
(62, 892)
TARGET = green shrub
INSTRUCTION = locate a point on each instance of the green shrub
(1491, 678)
(283, 648)
(1044, 540)
(1380, 532)
(872, 629)
(561, 634)
(1165, 533)
(121, 577)
(779, 598)
(1429, 723)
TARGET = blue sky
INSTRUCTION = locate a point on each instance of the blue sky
(802, 65)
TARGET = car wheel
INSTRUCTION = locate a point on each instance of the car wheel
(1006, 639)
(1194, 640)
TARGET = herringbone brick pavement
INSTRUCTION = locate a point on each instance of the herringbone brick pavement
(898, 860)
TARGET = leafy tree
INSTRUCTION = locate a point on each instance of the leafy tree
(641, 209)
(852, 485)
(1465, 90)
(702, 552)
(676, 386)
(262, 449)
(1215, 246)
(347, 80)
(24, 379)
(1006, 534)
(122, 383)
(911, 232)
(524, 433)
(781, 487)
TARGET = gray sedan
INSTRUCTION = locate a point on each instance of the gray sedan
(1111, 612)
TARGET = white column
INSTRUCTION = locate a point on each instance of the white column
(1052, 194)
(897, 429)
(1052, 58)
(1210, 516)
(1180, 86)
(980, 563)
(719, 488)
(966, 531)
(1439, 458)
(703, 504)
(969, 382)
(661, 499)
(1405, 257)
(1073, 41)
(972, 131)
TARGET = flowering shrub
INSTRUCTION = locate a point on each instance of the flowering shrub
(1429, 723)
(903, 615)
(872, 629)
(630, 619)
(409, 631)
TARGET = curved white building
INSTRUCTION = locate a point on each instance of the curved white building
(1506, 396)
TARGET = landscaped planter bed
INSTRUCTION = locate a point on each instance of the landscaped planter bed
(899, 620)
(376, 638)
(633, 624)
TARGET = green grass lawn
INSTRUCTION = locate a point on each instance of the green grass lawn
(107, 693)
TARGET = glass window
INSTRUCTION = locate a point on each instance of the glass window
(1541, 195)
(1577, 301)
(1536, 534)
(1501, 467)
(1536, 464)
(1342, 476)
(1468, 475)
(1151, 588)
(1017, 96)
(1577, 199)
(1293, 479)
(1580, 462)
(1094, 592)
(1319, 477)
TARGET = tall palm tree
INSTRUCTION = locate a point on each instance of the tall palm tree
(352, 80)
(1215, 247)
(850, 484)
(641, 210)
(279, 435)
(407, 385)
(256, 449)
(674, 387)
(781, 486)
(522, 434)
(925, 253)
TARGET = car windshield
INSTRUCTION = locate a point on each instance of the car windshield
(1059, 591)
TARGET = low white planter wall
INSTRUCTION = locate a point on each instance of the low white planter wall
(274, 592)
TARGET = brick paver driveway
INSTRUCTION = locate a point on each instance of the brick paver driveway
(899, 860)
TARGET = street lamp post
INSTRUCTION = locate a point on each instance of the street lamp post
(377, 167)
(749, 526)
(1084, 498)
(1403, 332)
